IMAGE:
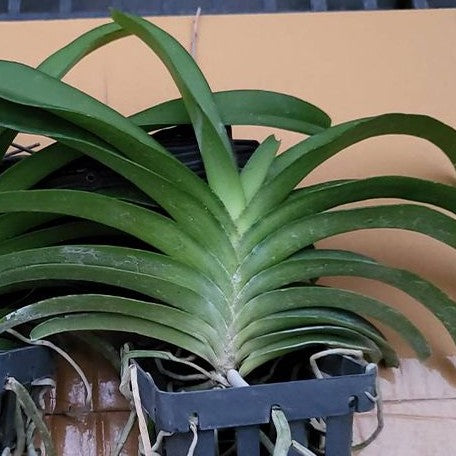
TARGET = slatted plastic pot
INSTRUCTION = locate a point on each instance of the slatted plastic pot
(242, 411)
(25, 365)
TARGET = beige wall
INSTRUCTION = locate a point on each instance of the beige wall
(351, 64)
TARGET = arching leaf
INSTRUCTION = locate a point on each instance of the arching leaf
(324, 263)
(314, 316)
(268, 340)
(112, 322)
(219, 163)
(55, 235)
(30, 170)
(296, 163)
(316, 339)
(319, 198)
(88, 303)
(150, 274)
(32, 120)
(59, 63)
(304, 232)
(303, 297)
(243, 107)
(154, 229)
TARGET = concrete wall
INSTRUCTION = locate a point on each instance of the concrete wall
(352, 65)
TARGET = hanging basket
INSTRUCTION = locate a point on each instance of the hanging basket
(347, 388)
(26, 365)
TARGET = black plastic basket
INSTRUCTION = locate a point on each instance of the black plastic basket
(243, 410)
(25, 365)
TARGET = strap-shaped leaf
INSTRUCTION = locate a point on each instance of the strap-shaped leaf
(59, 63)
(311, 200)
(154, 265)
(293, 165)
(192, 217)
(343, 135)
(32, 120)
(15, 224)
(267, 340)
(310, 316)
(154, 229)
(30, 170)
(167, 291)
(22, 85)
(256, 169)
(314, 316)
(151, 274)
(219, 163)
(304, 232)
(243, 107)
(88, 303)
(316, 339)
(191, 214)
(55, 235)
(324, 263)
(258, 107)
(303, 297)
(30, 87)
(112, 322)
(63, 60)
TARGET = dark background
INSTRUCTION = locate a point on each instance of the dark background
(58, 9)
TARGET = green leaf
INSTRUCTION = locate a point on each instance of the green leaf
(309, 316)
(88, 303)
(30, 170)
(151, 274)
(111, 322)
(14, 224)
(25, 86)
(32, 120)
(321, 147)
(167, 291)
(303, 297)
(258, 343)
(55, 235)
(59, 63)
(62, 61)
(219, 163)
(192, 217)
(30, 87)
(316, 339)
(254, 172)
(154, 229)
(315, 316)
(243, 107)
(327, 263)
(292, 166)
(311, 200)
(307, 230)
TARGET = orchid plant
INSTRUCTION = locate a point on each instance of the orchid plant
(225, 271)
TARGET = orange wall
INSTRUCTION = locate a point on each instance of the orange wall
(351, 64)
